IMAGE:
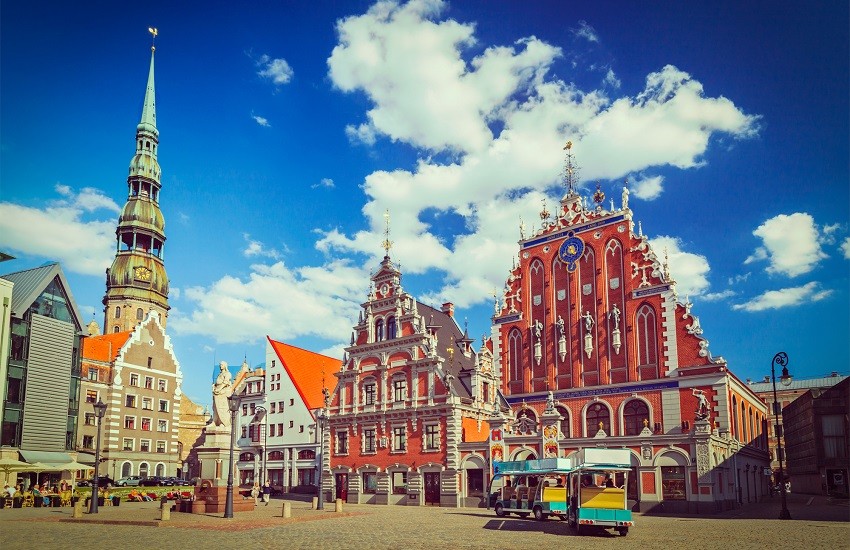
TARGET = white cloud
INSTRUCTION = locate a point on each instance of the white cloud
(276, 70)
(737, 279)
(287, 303)
(687, 269)
(257, 249)
(65, 232)
(717, 296)
(785, 297)
(326, 183)
(174, 292)
(845, 248)
(611, 79)
(791, 244)
(262, 121)
(363, 133)
(648, 188)
(585, 31)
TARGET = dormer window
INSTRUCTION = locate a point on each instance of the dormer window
(390, 328)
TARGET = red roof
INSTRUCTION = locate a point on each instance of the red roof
(305, 370)
(105, 347)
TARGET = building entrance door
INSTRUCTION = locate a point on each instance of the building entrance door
(432, 488)
(342, 487)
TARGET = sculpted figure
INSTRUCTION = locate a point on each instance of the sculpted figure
(221, 390)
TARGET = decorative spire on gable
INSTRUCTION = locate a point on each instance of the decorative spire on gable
(387, 244)
(571, 171)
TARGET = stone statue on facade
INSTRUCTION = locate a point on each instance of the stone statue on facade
(702, 405)
(221, 390)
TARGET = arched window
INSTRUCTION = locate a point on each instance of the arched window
(634, 413)
(160, 469)
(597, 413)
(735, 432)
(390, 328)
(379, 330)
(126, 469)
(275, 455)
(752, 427)
(116, 329)
(140, 314)
(647, 342)
(117, 312)
(143, 469)
(744, 435)
(307, 454)
(564, 424)
(246, 457)
(515, 355)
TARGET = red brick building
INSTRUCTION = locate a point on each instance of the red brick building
(594, 348)
(408, 418)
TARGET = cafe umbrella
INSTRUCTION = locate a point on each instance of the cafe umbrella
(8, 465)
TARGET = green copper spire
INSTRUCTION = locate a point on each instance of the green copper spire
(148, 122)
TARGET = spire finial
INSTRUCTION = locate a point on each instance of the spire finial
(666, 265)
(154, 32)
(544, 214)
(570, 170)
(387, 244)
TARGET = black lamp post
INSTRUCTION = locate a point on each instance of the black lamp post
(99, 411)
(321, 420)
(232, 404)
(780, 359)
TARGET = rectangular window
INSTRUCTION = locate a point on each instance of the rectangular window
(93, 374)
(342, 443)
(369, 440)
(145, 445)
(134, 379)
(399, 389)
(91, 396)
(130, 401)
(128, 444)
(129, 422)
(146, 424)
(370, 482)
(88, 442)
(280, 406)
(432, 437)
(147, 403)
(162, 425)
(90, 419)
(302, 429)
(834, 445)
(272, 407)
(244, 409)
(271, 430)
(400, 438)
(162, 385)
(253, 408)
(149, 382)
(251, 432)
(673, 482)
(244, 432)
(292, 402)
(369, 394)
(163, 405)
(291, 424)
(399, 483)
(280, 429)
(160, 446)
(150, 362)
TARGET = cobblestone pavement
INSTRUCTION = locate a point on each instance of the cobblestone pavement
(817, 523)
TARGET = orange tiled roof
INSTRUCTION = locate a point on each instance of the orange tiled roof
(305, 370)
(99, 348)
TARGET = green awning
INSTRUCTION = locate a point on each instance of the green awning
(46, 457)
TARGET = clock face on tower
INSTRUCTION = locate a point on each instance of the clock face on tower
(142, 273)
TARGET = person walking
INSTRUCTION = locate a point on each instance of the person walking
(267, 492)
(255, 491)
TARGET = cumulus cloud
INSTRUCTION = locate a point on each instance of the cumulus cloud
(648, 188)
(276, 70)
(318, 301)
(326, 183)
(718, 296)
(586, 32)
(611, 79)
(845, 248)
(689, 270)
(255, 248)
(785, 297)
(791, 245)
(262, 121)
(67, 231)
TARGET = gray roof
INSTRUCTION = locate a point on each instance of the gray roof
(802, 384)
(448, 330)
(30, 283)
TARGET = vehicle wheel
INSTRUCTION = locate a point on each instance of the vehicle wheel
(500, 510)
(538, 514)
(623, 531)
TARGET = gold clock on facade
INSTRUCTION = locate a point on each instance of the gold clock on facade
(142, 273)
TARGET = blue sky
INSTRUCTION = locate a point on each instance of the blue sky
(287, 130)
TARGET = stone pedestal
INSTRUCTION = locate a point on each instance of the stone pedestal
(211, 492)
(211, 499)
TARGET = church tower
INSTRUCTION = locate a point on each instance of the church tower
(137, 283)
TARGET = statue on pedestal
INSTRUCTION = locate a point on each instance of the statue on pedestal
(221, 390)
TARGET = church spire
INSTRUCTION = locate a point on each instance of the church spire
(137, 283)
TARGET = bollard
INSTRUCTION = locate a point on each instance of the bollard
(77, 512)
(164, 509)
(338, 505)
(315, 503)
(287, 510)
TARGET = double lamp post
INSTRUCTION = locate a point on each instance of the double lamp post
(99, 411)
(780, 359)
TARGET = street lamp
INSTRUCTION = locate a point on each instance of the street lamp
(99, 411)
(232, 404)
(321, 420)
(260, 415)
(781, 359)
